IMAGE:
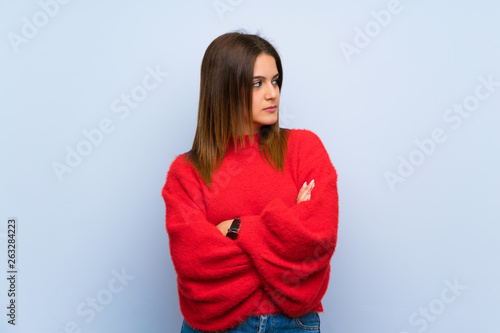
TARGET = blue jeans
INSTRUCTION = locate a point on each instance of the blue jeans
(275, 323)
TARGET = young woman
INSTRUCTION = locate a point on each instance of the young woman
(250, 241)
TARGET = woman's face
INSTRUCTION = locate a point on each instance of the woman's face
(266, 93)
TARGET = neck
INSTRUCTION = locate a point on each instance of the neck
(245, 139)
(255, 130)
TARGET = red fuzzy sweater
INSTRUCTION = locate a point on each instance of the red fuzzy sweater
(280, 262)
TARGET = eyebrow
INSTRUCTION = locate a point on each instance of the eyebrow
(263, 77)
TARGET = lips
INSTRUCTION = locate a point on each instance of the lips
(271, 108)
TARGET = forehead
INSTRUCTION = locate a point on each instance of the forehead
(265, 63)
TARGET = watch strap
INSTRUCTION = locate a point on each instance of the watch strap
(232, 232)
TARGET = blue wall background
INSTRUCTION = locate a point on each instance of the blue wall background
(404, 94)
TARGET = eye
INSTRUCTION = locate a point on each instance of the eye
(275, 82)
(257, 84)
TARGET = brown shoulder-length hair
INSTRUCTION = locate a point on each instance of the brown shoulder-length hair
(226, 103)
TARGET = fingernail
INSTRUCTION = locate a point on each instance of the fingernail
(305, 183)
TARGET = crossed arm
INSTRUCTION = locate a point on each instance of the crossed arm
(303, 195)
(284, 249)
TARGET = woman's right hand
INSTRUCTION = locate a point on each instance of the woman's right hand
(305, 192)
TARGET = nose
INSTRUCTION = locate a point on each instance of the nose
(272, 91)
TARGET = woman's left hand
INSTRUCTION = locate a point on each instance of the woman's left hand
(224, 226)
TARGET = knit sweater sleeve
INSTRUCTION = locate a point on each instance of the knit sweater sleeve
(214, 274)
(291, 246)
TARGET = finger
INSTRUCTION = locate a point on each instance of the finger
(309, 187)
(304, 188)
(309, 190)
(305, 191)
(306, 198)
(302, 196)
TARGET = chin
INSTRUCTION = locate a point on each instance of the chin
(270, 119)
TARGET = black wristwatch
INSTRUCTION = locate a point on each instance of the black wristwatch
(232, 232)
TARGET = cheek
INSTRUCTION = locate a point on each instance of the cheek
(256, 98)
(256, 102)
